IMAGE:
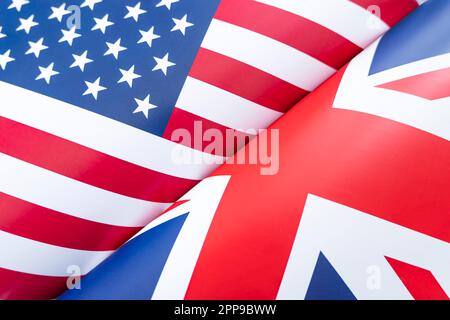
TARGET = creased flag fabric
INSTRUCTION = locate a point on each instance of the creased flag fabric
(86, 157)
(358, 210)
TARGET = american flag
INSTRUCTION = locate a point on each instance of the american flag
(358, 210)
(93, 89)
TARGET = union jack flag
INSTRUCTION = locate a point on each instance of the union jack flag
(358, 210)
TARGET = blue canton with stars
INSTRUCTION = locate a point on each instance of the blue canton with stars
(125, 59)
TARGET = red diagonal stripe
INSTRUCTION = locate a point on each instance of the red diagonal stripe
(391, 11)
(246, 81)
(87, 165)
(309, 37)
(34, 222)
(431, 85)
(420, 282)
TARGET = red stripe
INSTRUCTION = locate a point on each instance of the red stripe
(391, 11)
(431, 85)
(246, 81)
(195, 127)
(295, 31)
(16, 285)
(420, 282)
(392, 171)
(87, 165)
(34, 222)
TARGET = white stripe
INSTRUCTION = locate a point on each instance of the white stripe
(341, 16)
(51, 190)
(29, 256)
(356, 92)
(177, 272)
(220, 106)
(169, 215)
(101, 133)
(266, 54)
(355, 243)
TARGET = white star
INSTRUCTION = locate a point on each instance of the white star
(102, 24)
(69, 35)
(148, 36)
(2, 35)
(134, 12)
(59, 13)
(167, 3)
(90, 3)
(93, 88)
(163, 64)
(17, 4)
(80, 60)
(144, 106)
(27, 24)
(181, 24)
(128, 76)
(47, 73)
(36, 47)
(5, 59)
(114, 48)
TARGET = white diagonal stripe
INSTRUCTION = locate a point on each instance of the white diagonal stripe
(176, 275)
(411, 69)
(356, 92)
